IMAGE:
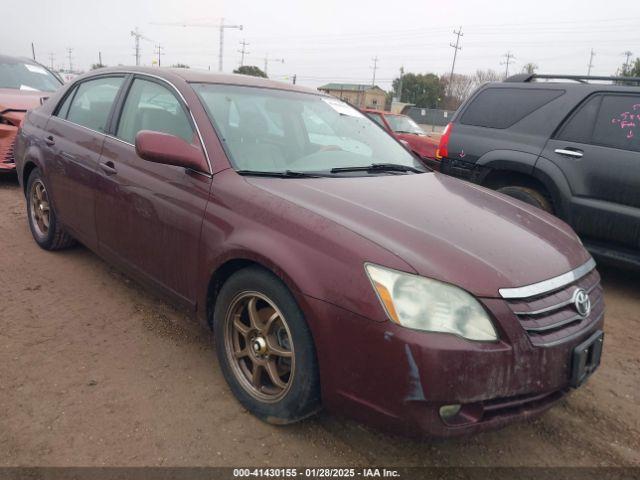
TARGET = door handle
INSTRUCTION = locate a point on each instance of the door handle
(49, 140)
(108, 167)
(569, 153)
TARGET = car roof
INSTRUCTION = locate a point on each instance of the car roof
(9, 58)
(193, 75)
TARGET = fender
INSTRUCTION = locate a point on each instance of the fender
(515, 161)
(557, 185)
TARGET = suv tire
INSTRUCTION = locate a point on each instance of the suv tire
(528, 195)
(258, 326)
(43, 223)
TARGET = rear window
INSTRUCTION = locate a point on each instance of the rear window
(503, 107)
(617, 122)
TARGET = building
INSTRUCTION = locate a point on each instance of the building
(358, 95)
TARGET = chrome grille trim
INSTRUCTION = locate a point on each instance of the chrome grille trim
(559, 324)
(554, 307)
(548, 285)
(574, 335)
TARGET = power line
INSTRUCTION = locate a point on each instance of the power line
(509, 58)
(456, 48)
(375, 67)
(243, 51)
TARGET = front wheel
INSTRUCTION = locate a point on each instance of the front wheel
(45, 228)
(265, 347)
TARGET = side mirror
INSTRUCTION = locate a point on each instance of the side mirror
(168, 149)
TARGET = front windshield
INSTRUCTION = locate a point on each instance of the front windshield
(21, 75)
(271, 130)
(402, 124)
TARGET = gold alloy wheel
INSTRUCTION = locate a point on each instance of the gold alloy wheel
(40, 208)
(259, 347)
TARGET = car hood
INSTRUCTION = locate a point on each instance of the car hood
(444, 228)
(12, 99)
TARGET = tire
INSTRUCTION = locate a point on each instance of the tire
(283, 331)
(528, 195)
(44, 226)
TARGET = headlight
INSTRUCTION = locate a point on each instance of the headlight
(425, 304)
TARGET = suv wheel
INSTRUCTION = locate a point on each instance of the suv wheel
(265, 348)
(528, 195)
(45, 228)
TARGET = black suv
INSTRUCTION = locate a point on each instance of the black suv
(568, 145)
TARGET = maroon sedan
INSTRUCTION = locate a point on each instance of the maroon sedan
(296, 228)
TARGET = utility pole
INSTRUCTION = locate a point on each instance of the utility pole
(627, 64)
(593, 54)
(267, 60)
(222, 27)
(33, 51)
(70, 57)
(375, 67)
(51, 57)
(243, 51)
(509, 58)
(159, 53)
(456, 47)
(135, 33)
(400, 84)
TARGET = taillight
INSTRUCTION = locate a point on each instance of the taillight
(443, 148)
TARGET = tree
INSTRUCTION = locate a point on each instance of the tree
(179, 65)
(96, 66)
(458, 88)
(250, 70)
(423, 90)
(630, 70)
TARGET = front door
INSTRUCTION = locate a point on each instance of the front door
(598, 150)
(75, 138)
(149, 215)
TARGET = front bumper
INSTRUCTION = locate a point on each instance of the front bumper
(397, 379)
(7, 143)
(469, 171)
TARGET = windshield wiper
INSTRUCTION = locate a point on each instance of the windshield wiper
(284, 174)
(379, 167)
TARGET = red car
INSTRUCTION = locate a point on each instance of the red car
(405, 129)
(23, 85)
(296, 229)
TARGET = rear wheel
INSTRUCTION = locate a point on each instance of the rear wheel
(528, 195)
(45, 228)
(265, 347)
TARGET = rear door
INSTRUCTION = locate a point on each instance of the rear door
(149, 215)
(75, 135)
(598, 150)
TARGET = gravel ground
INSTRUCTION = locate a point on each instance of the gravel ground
(96, 371)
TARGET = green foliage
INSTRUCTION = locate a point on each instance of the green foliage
(423, 90)
(250, 70)
(631, 70)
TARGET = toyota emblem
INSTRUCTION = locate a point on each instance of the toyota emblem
(582, 302)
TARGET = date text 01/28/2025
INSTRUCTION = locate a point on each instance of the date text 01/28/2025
(315, 473)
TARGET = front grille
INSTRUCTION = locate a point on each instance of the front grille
(551, 317)
(7, 144)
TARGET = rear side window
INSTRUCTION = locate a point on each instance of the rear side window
(579, 127)
(92, 102)
(503, 107)
(151, 106)
(618, 122)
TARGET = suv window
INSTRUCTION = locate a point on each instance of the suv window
(503, 107)
(151, 106)
(618, 121)
(92, 102)
(579, 127)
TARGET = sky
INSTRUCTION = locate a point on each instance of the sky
(330, 40)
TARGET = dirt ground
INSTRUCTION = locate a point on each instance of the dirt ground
(96, 371)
